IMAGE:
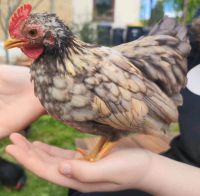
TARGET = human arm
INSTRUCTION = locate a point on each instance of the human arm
(122, 169)
(18, 104)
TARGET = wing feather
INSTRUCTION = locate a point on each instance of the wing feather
(126, 100)
(162, 56)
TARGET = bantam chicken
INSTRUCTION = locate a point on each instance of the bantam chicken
(111, 92)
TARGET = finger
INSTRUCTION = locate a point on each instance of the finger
(21, 154)
(50, 171)
(20, 140)
(44, 156)
(15, 151)
(34, 162)
(55, 151)
(85, 171)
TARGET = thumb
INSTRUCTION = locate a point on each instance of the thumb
(85, 171)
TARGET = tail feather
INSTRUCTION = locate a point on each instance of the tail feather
(169, 26)
(162, 56)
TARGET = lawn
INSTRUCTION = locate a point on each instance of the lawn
(50, 131)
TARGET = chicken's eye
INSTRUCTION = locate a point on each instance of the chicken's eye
(33, 33)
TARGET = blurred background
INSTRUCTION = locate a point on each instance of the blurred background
(105, 22)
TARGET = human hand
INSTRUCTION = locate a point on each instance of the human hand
(18, 104)
(122, 169)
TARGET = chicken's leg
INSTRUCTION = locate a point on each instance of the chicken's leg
(103, 147)
(106, 149)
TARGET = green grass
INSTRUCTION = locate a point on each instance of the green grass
(49, 131)
(174, 128)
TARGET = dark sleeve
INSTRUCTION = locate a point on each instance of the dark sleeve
(194, 57)
(119, 193)
(186, 147)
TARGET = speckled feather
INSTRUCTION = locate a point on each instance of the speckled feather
(162, 56)
(100, 90)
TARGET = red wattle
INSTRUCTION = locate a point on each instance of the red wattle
(33, 52)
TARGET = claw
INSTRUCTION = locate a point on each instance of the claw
(102, 149)
(81, 151)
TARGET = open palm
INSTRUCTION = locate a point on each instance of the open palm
(49, 163)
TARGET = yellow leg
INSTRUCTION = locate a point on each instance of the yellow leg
(102, 149)
(106, 149)
(92, 155)
(81, 151)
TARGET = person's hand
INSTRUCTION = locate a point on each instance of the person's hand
(18, 104)
(122, 169)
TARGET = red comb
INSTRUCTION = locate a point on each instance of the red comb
(18, 16)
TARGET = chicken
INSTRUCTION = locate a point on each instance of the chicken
(11, 175)
(110, 92)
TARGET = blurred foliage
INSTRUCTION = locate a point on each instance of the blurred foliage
(86, 32)
(193, 5)
(144, 22)
(157, 13)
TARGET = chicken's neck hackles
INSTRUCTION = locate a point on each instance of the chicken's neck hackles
(44, 38)
(60, 44)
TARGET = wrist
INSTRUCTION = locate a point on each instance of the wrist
(145, 173)
(157, 176)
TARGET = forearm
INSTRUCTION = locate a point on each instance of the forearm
(30, 114)
(167, 177)
(16, 122)
(18, 105)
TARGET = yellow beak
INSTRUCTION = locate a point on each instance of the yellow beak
(12, 43)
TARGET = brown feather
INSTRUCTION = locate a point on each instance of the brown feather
(116, 91)
(162, 56)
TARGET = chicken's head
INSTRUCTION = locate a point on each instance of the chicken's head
(36, 33)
